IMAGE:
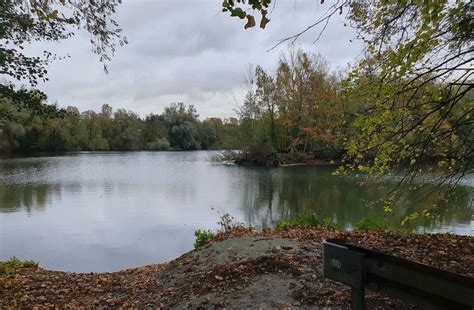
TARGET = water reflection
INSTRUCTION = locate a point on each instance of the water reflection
(287, 192)
(28, 198)
(107, 211)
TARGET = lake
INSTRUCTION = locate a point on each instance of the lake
(108, 211)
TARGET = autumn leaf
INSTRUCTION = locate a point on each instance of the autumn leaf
(250, 22)
(264, 22)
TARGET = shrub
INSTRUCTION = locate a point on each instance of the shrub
(228, 157)
(328, 222)
(227, 223)
(9, 266)
(305, 220)
(160, 144)
(203, 237)
(368, 224)
(258, 155)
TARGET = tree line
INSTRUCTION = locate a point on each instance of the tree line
(300, 109)
(30, 124)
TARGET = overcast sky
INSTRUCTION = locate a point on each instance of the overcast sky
(186, 51)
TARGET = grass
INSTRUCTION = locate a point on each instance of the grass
(368, 224)
(304, 220)
(203, 237)
(328, 222)
(9, 266)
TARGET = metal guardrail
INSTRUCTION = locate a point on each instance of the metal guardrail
(425, 286)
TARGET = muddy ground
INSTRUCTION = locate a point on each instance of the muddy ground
(241, 269)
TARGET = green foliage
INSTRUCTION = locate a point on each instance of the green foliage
(28, 123)
(203, 237)
(304, 220)
(160, 144)
(8, 267)
(328, 222)
(227, 223)
(419, 106)
(184, 136)
(368, 224)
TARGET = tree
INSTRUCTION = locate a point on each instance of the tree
(265, 93)
(181, 121)
(185, 136)
(207, 135)
(127, 131)
(155, 127)
(18, 115)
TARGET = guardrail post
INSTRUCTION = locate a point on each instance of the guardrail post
(358, 298)
(347, 267)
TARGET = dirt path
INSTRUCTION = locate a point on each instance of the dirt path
(240, 270)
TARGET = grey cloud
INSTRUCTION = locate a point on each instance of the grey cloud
(185, 51)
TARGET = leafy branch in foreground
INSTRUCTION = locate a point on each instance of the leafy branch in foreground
(26, 21)
(417, 81)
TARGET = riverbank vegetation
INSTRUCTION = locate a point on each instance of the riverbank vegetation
(30, 124)
(299, 113)
(9, 266)
(306, 220)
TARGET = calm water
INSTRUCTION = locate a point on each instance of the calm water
(108, 211)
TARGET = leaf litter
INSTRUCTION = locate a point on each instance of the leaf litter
(240, 268)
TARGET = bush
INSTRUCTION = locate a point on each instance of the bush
(295, 158)
(203, 237)
(160, 144)
(368, 224)
(9, 266)
(258, 155)
(228, 157)
(305, 220)
(328, 222)
(228, 223)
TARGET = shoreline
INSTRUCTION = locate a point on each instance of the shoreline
(315, 163)
(241, 268)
